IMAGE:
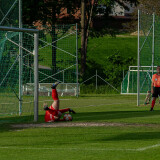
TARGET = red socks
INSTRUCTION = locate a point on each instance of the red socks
(153, 103)
(54, 94)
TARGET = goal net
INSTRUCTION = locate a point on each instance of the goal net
(18, 66)
(58, 58)
(129, 83)
(63, 89)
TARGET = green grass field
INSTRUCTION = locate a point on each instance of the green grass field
(120, 131)
(106, 126)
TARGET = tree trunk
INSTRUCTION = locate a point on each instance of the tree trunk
(54, 37)
(54, 43)
(83, 38)
(88, 24)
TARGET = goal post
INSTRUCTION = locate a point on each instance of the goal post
(35, 32)
(129, 83)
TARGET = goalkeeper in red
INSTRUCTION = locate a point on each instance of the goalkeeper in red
(53, 113)
(155, 87)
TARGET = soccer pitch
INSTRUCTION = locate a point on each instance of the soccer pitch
(105, 127)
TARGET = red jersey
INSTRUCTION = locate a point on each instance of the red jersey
(49, 116)
(156, 80)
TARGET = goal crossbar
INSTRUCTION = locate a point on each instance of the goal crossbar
(15, 29)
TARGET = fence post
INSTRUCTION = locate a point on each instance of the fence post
(77, 59)
(96, 79)
(153, 44)
(138, 62)
(36, 90)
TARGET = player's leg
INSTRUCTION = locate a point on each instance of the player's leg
(66, 110)
(153, 103)
(55, 104)
(148, 97)
(158, 94)
(154, 96)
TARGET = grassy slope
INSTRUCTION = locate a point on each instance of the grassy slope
(65, 50)
(99, 48)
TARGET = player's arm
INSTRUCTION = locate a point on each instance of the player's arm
(51, 109)
(58, 115)
(56, 118)
(152, 85)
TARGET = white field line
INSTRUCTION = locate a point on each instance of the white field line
(148, 147)
(69, 100)
(84, 149)
(102, 105)
(33, 101)
(52, 100)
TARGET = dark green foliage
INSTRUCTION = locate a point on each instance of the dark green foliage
(101, 89)
(110, 56)
(115, 64)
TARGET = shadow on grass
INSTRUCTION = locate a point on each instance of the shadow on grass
(111, 115)
(85, 116)
(132, 136)
(6, 121)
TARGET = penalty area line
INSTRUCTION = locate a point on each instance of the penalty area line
(148, 147)
(102, 105)
(85, 149)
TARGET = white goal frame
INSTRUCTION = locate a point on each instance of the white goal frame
(36, 33)
(146, 69)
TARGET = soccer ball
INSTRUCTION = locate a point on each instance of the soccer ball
(67, 117)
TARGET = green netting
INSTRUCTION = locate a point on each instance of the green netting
(149, 31)
(145, 39)
(157, 42)
(149, 56)
(57, 62)
(149, 50)
(58, 56)
(9, 12)
(129, 84)
(4, 38)
(10, 76)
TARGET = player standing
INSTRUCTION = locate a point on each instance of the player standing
(155, 87)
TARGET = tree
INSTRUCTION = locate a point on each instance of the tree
(115, 64)
(150, 6)
(87, 8)
(47, 11)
